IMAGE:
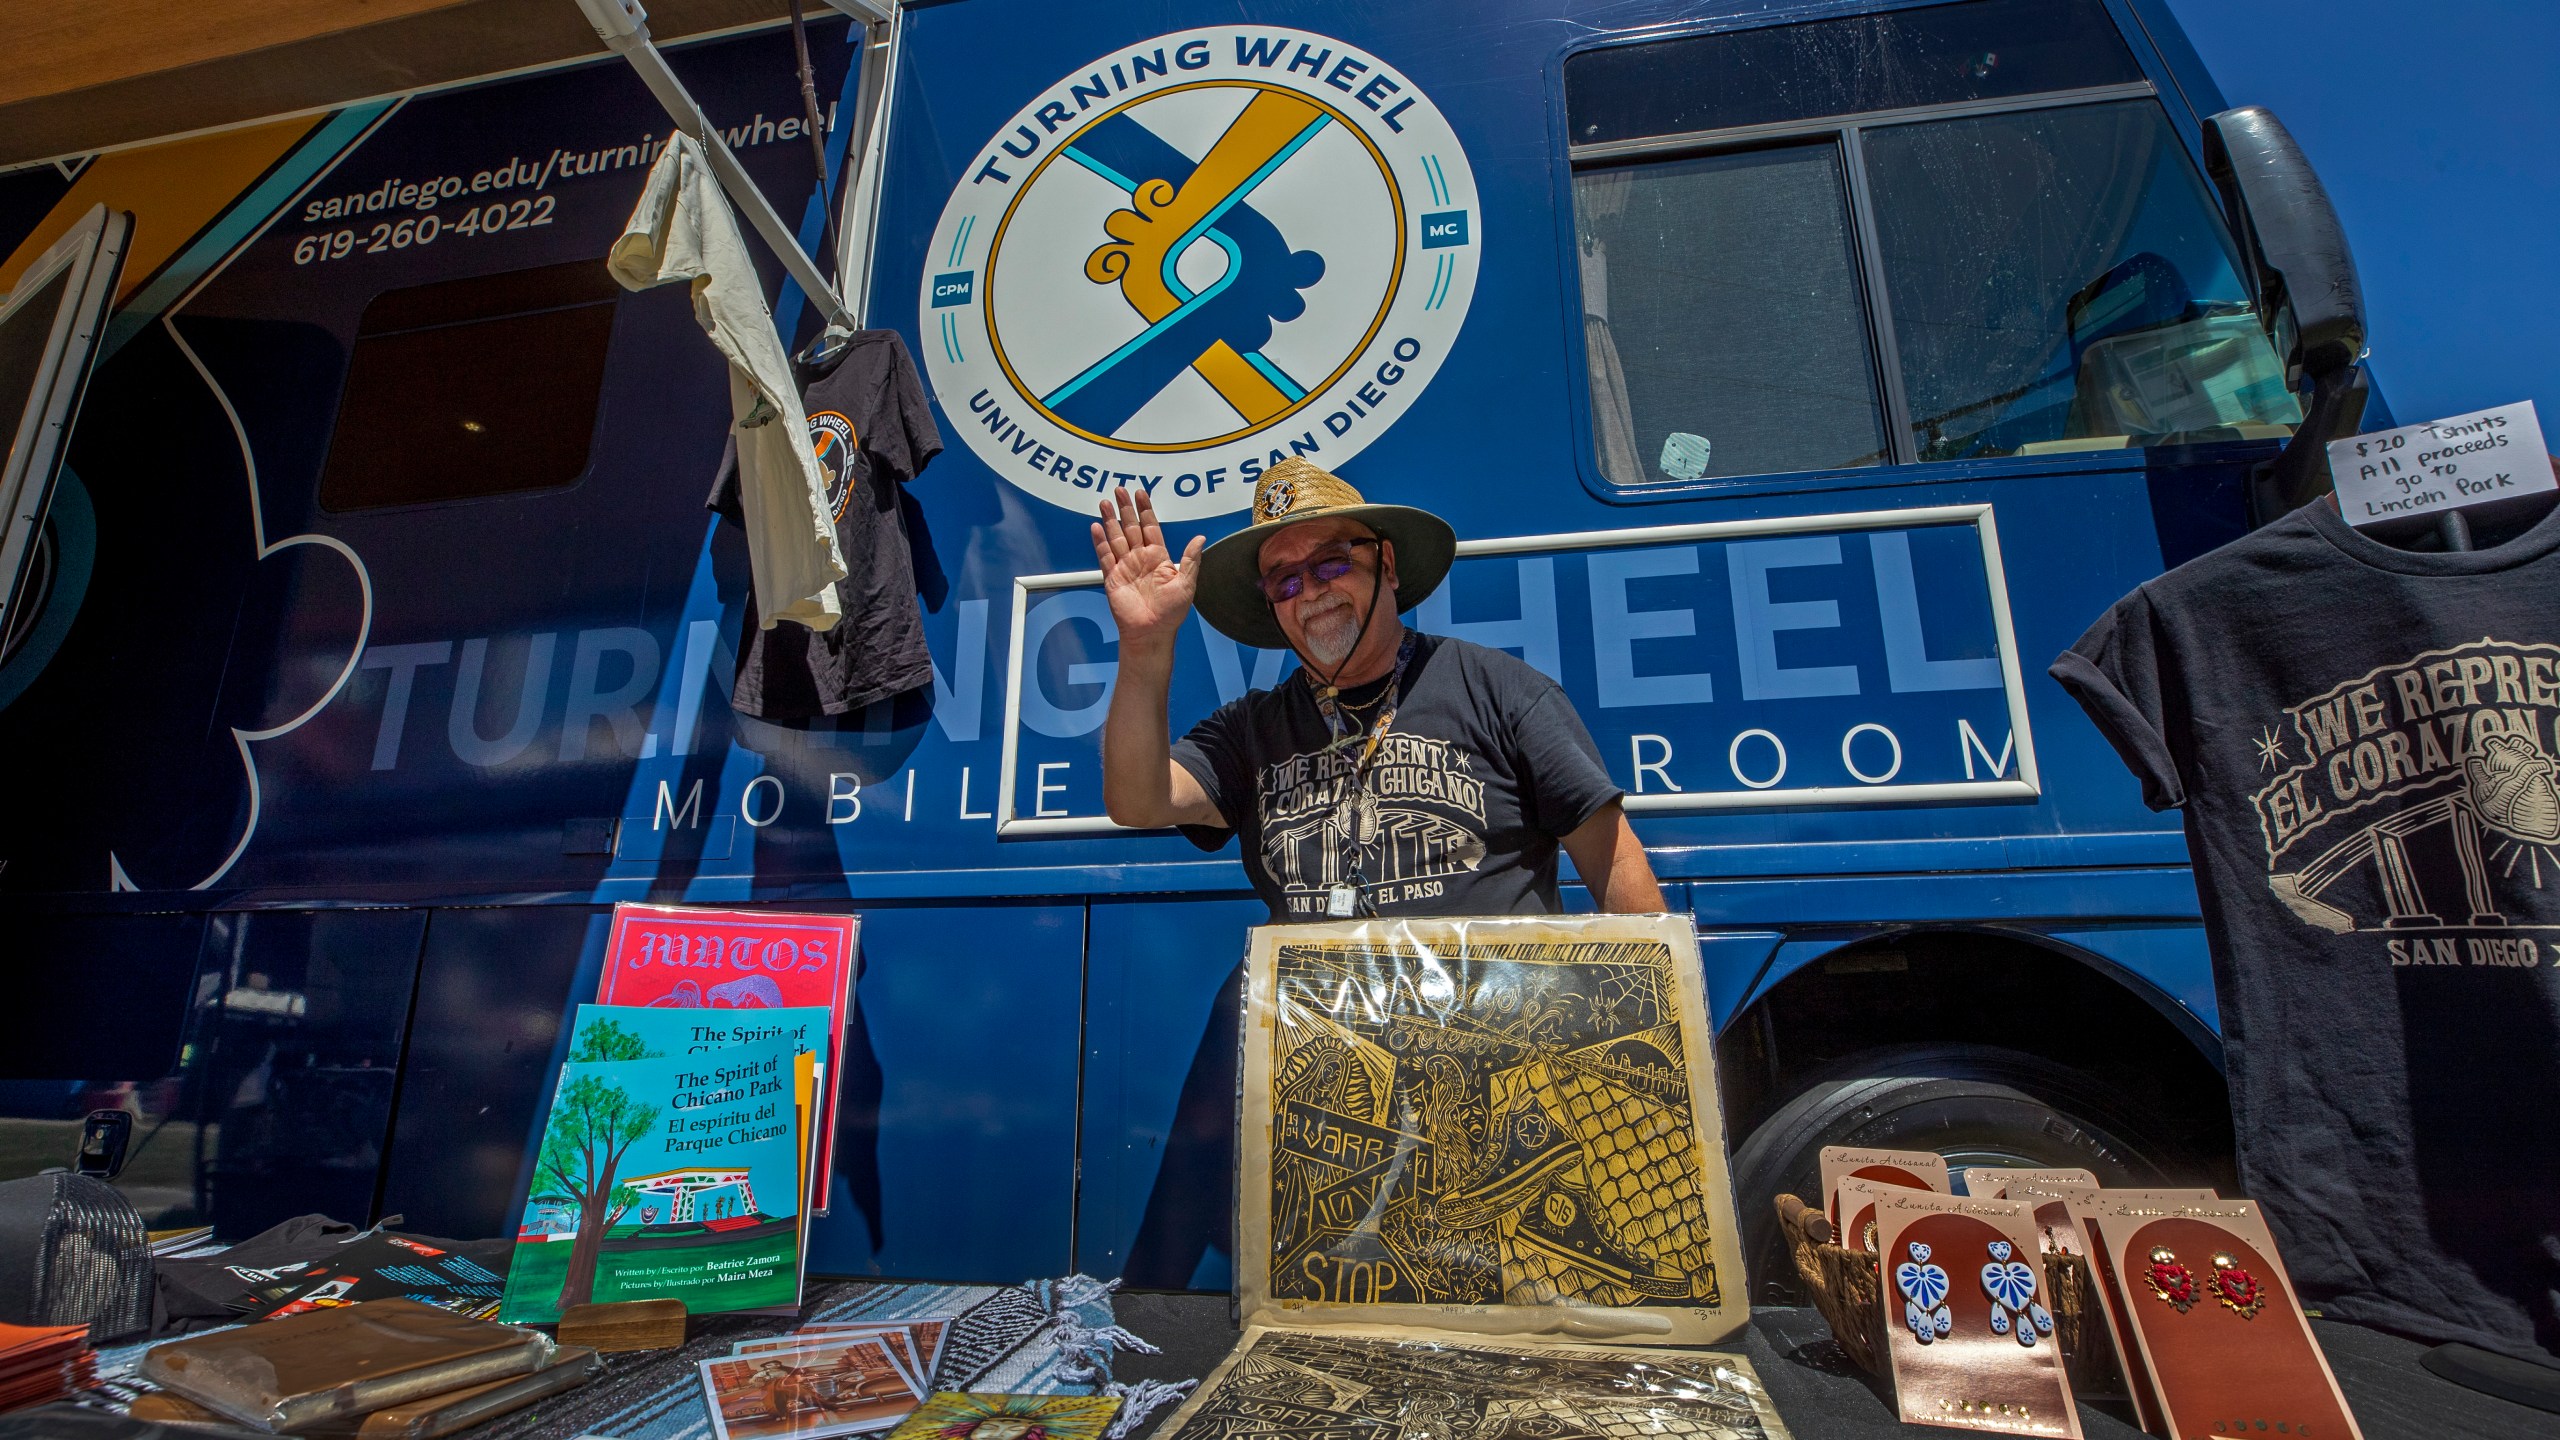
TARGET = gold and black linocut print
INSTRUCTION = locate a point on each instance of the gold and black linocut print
(1297, 1384)
(1445, 1120)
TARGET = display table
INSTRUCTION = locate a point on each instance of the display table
(1818, 1393)
(1821, 1396)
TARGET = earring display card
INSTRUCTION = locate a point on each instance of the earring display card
(2221, 1332)
(1967, 1330)
(1905, 1169)
(1993, 1184)
(2079, 1233)
(2057, 1227)
(1858, 1198)
(1503, 1126)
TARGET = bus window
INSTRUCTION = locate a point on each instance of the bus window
(1722, 317)
(465, 389)
(1933, 233)
(2059, 281)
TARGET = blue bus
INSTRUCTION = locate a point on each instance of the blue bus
(1800, 378)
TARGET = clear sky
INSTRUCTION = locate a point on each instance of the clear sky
(2435, 125)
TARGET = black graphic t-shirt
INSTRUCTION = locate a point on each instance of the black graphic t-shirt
(1485, 768)
(873, 433)
(2363, 739)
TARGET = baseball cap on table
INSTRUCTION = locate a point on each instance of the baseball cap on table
(1292, 492)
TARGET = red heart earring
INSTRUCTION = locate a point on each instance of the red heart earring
(2171, 1281)
(2237, 1289)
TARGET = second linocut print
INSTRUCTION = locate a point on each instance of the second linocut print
(1446, 1116)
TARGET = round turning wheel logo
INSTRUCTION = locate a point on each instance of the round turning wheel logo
(1194, 257)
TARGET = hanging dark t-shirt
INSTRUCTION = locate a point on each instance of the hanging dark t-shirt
(873, 433)
(1485, 768)
(2363, 739)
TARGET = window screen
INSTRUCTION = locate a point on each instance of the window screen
(1723, 323)
(471, 388)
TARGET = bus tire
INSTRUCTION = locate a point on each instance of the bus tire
(1974, 1104)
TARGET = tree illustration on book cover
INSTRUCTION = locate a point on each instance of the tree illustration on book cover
(662, 1175)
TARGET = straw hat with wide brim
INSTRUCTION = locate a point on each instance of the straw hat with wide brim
(1293, 492)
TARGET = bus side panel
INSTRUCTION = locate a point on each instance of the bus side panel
(955, 1157)
(494, 987)
(1162, 983)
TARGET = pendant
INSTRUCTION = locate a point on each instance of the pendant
(1342, 901)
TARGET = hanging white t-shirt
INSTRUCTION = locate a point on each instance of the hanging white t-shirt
(683, 230)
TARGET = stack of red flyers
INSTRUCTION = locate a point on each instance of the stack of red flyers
(42, 1363)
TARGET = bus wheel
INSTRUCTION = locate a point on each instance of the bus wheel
(1974, 1104)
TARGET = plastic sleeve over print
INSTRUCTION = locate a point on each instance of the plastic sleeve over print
(1494, 1126)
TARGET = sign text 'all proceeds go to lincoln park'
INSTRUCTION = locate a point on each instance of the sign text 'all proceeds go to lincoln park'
(2441, 465)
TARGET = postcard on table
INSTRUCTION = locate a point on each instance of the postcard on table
(852, 1387)
(950, 1415)
(902, 1342)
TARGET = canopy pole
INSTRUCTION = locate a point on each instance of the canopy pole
(624, 27)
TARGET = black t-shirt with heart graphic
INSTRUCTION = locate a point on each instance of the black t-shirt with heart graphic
(873, 432)
(2363, 740)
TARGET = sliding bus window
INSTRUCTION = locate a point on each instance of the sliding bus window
(2060, 281)
(1722, 320)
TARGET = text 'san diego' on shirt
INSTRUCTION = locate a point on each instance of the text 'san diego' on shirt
(2366, 742)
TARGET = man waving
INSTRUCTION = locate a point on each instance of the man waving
(1395, 773)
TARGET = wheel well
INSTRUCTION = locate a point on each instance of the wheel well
(1981, 987)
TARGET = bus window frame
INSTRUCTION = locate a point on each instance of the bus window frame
(2159, 85)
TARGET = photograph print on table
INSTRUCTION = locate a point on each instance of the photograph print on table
(853, 1387)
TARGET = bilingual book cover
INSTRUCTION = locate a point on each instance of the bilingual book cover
(684, 957)
(698, 1032)
(663, 1175)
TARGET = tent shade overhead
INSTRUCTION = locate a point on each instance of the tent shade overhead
(76, 79)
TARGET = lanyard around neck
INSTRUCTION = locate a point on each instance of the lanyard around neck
(1337, 724)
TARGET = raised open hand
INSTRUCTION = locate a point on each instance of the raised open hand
(1149, 593)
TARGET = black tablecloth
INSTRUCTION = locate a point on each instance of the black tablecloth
(1820, 1395)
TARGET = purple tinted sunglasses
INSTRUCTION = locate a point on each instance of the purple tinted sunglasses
(1326, 565)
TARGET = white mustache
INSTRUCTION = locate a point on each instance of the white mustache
(1323, 607)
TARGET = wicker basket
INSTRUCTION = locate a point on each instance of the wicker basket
(1847, 1289)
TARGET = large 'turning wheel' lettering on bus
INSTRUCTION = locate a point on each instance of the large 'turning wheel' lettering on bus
(1194, 256)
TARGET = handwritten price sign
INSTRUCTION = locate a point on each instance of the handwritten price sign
(2463, 460)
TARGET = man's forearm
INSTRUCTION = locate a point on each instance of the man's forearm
(1137, 742)
(1613, 866)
